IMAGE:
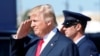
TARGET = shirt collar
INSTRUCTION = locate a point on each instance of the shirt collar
(49, 36)
(76, 42)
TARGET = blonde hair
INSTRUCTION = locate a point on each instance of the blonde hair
(47, 11)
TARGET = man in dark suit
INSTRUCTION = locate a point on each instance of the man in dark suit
(43, 23)
(73, 27)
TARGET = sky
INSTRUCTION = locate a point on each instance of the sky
(60, 5)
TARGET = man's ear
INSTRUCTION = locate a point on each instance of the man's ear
(48, 22)
(78, 27)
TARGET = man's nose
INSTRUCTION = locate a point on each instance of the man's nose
(32, 24)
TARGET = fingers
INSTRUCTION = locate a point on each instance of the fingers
(23, 29)
(27, 22)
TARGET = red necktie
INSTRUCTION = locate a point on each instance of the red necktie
(39, 47)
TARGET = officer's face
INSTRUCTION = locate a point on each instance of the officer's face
(70, 31)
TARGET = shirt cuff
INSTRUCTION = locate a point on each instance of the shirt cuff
(14, 36)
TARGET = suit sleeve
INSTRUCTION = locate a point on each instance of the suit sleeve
(17, 46)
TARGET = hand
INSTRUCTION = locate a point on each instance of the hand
(23, 29)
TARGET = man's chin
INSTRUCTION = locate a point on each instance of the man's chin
(36, 33)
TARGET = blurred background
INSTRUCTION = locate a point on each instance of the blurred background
(13, 12)
(90, 8)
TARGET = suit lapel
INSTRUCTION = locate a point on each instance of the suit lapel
(31, 47)
(49, 46)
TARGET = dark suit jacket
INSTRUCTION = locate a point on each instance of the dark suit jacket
(87, 47)
(59, 45)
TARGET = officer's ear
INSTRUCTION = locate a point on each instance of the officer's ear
(78, 27)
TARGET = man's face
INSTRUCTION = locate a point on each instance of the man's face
(38, 24)
(69, 31)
